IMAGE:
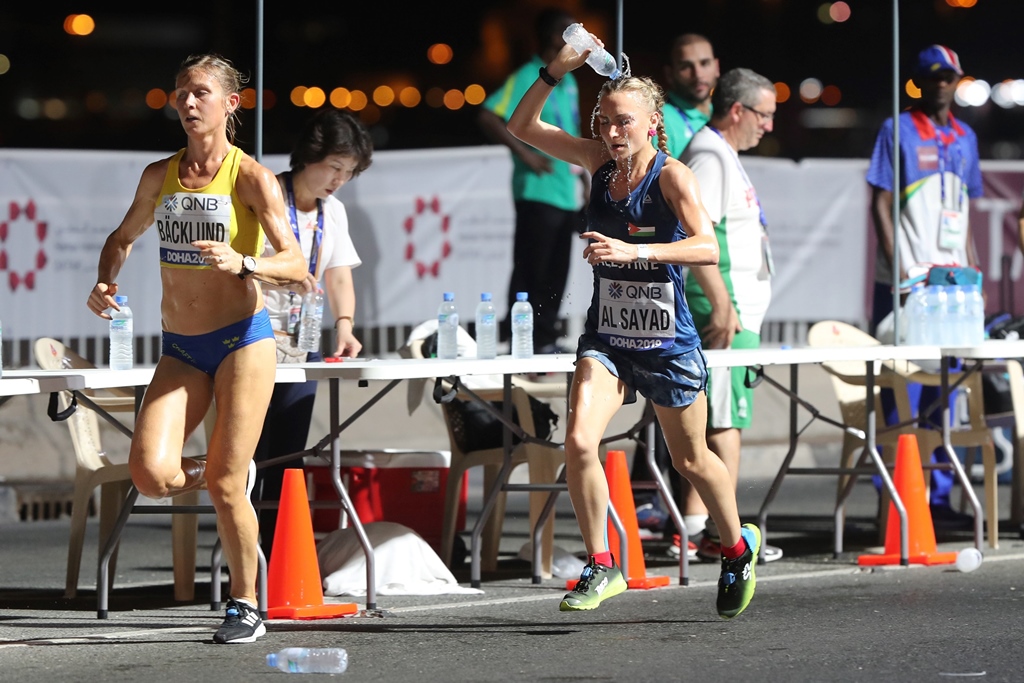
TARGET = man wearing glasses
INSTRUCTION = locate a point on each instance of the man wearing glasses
(939, 171)
(729, 301)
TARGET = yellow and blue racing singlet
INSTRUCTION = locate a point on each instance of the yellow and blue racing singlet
(212, 213)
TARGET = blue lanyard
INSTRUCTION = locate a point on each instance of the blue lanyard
(686, 119)
(746, 179)
(314, 252)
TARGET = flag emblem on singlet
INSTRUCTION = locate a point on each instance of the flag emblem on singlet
(641, 230)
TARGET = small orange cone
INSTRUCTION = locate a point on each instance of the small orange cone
(909, 481)
(294, 590)
(621, 493)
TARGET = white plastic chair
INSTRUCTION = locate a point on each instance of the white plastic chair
(93, 469)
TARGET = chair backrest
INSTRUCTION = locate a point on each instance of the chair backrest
(50, 354)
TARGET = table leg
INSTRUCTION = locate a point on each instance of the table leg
(762, 516)
(961, 475)
(335, 399)
(673, 510)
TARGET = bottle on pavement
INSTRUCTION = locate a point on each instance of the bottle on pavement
(310, 660)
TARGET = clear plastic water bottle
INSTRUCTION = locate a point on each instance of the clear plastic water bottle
(600, 60)
(975, 315)
(956, 316)
(935, 315)
(486, 328)
(122, 348)
(522, 327)
(311, 321)
(448, 328)
(913, 316)
(310, 660)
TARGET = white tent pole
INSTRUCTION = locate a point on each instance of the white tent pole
(618, 33)
(897, 188)
(259, 81)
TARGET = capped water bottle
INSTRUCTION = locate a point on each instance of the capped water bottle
(311, 321)
(310, 660)
(958, 325)
(122, 350)
(975, 315)
(600, 60)
(486, 328)
(913, 316)
(448, 328)
(522, 327)
(935, 313)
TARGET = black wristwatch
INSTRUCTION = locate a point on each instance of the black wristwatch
(248, 267)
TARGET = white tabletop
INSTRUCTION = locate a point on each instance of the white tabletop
(18, 386)
(21, 381)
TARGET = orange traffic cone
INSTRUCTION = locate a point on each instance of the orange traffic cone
(909, 481)
(620, 492)
(294, 590)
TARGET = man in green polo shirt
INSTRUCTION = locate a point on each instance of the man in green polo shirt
(547, 191)
(691, 75)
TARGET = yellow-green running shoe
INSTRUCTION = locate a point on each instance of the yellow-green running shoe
(736, 585)
(597, 583)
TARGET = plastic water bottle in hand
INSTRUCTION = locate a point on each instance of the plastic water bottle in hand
(311, 321)
(600, 60)
(310, 660)
(522, 327)
(122, 349)
(486, 328)
(448, 328)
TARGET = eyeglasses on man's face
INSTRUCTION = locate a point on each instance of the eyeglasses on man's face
(760, 114)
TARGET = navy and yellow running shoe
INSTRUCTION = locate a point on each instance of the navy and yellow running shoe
(738, 579)
(597, 583)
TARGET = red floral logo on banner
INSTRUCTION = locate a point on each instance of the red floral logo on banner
(433, 218)
(21, 220)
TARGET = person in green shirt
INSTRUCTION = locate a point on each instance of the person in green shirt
(548, 192)
(691, 74)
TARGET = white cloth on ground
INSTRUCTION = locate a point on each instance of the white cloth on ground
(404, 564)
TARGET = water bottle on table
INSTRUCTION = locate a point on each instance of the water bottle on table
(935, 314)
(600, 60)
(448, 328)
(522, 327)
(310, 660)
(975, 315)
(311, 321)
(486, 328)
(122, 349)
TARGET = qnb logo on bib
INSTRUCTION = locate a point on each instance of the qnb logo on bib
(187, 217)
(637, 316)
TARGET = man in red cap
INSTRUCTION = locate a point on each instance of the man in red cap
(939, 172)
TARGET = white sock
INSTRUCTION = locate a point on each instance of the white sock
(695, 524)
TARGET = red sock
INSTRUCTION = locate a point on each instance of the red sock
(735, 551)
(604, 558)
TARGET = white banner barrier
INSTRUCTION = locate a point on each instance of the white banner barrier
(425, 222)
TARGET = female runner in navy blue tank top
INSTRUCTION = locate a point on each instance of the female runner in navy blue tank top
(646, 224)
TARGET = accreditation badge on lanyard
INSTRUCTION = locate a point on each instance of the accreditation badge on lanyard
(294, 300)
(953, 218)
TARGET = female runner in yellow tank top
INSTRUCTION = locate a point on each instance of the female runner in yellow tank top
(208, 202)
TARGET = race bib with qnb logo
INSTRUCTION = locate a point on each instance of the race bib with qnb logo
(637, 316)
(185, 217)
